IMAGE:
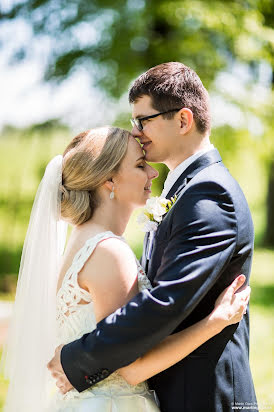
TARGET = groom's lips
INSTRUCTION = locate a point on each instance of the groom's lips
(145, 145)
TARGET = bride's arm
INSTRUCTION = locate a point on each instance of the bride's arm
(229, 309)
(111, 278)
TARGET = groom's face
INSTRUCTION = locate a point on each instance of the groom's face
(159, 135)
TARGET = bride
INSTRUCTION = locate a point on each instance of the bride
(95, 186)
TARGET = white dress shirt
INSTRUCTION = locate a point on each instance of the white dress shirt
(176, 173)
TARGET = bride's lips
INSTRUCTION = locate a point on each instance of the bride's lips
(148, 189)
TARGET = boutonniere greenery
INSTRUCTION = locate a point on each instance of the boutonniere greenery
(154, 211)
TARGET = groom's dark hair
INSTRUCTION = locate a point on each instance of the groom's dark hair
(173, 85)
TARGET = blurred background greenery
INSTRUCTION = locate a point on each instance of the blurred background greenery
(230, 44)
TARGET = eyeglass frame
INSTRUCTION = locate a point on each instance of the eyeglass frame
(140, 119)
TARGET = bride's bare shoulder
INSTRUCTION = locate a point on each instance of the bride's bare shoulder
(112, 260)
(110, 276)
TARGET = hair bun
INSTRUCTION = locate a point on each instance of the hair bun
(64, 192)
(75, 205)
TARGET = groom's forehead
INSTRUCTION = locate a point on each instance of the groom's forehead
(141, 107)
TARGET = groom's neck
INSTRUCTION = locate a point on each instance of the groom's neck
(188, 147)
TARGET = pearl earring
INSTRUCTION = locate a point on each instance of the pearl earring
(111, 196)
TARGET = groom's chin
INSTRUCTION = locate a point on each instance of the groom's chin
(150, 158)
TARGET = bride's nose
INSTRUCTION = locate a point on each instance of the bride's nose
(152, 173)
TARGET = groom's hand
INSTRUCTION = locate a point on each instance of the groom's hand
(55, 367)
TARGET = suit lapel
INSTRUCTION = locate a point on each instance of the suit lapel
(213, 156)
(205, 160)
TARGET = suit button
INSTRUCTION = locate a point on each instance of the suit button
(104, 373)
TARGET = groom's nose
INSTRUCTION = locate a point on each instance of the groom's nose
(136, 132)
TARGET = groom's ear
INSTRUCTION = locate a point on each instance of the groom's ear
(186, 120)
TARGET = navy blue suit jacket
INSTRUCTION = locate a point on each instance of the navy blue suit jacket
(202, 244)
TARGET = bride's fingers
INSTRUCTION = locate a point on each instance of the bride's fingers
(247, 297)
(239, 314)
(231, 290)
(241, 302)
(228, 295)
(244, 295)
(242, 298)
(237, 283)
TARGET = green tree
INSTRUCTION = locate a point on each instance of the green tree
(125, 37)
(115, 41)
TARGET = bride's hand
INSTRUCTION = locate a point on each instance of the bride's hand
(231, 306)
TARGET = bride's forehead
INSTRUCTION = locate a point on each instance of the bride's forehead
(134, 147)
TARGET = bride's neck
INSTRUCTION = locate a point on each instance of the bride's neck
(111, 216)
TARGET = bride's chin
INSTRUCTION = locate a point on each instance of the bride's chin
(147, 196)
(143, 203)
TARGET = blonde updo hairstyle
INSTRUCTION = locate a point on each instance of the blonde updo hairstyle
(91, 159)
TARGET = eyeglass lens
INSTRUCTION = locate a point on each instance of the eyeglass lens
(137, 123)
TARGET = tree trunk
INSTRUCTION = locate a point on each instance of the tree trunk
(269, 235)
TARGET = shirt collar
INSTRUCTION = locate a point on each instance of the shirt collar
(174, 175)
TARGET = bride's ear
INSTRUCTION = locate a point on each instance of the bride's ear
(109, 184)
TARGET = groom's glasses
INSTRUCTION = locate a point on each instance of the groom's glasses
(138, 121)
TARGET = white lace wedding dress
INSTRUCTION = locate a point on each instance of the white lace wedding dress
(74, 319)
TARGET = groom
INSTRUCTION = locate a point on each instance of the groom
(204, 241)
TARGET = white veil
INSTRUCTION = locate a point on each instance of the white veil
(32, 334)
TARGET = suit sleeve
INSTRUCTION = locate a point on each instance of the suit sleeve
(201, 243)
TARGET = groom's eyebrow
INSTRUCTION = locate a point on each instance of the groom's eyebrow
(139, 116)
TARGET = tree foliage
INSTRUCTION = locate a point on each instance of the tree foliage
(125, 37)
(116, 41)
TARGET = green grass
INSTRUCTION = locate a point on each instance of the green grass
(261, 355)
(261, 327)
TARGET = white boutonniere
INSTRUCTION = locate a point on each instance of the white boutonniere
(154, 211)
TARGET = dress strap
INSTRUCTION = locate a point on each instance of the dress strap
(86, 251)
(70, 286)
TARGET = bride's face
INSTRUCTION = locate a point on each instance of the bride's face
(133, 180)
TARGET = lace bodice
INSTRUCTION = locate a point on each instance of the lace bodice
(74, 319)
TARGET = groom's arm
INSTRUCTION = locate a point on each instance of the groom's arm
(202, 241)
